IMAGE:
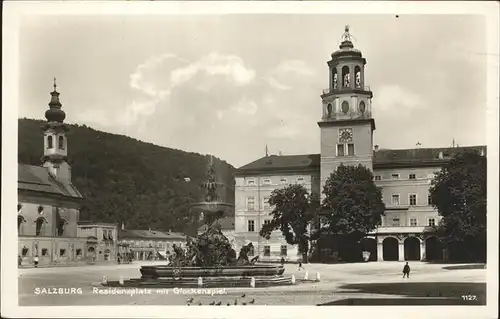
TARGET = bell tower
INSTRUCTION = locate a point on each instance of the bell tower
(55, 149)
(346, 125)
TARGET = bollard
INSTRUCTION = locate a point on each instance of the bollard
(306, 275)
(252, 282)
(121, 280)
(104, 280)
(293, 279)
(318, 277)
(200, 282)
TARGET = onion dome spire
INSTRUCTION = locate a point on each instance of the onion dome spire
(54, 113)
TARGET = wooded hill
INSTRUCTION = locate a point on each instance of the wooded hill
(125, 180)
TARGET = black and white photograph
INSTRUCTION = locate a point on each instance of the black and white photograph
(284, 156)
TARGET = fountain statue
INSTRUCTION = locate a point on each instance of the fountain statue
(209, 260)
(211, 248)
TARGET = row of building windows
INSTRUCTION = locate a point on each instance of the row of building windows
(412, 200)
(413, 222)
(345, 108)
(396, 176)
(283, 180)
(40, 223)
(150, 244)
(267, 251)
(45, 252)
(395, 201)
(345, 149)
(251, 203)
(63, 252)
(50, 142)
(251, 224)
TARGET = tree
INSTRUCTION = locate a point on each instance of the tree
(352, 207)
(458, 192)
(293, 210)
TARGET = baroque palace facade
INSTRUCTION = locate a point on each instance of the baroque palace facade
(346, 129)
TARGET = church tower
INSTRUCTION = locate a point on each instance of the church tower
(55, 143)
(346, 125)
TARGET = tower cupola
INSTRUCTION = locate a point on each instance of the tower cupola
(347, 97)
(55, 143)
(54, 113)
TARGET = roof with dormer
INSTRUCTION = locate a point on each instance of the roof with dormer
(38, 179)
(383, 158)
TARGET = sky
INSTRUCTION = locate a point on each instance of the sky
(229, 85)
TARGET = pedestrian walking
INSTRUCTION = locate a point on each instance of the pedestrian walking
(35, 261)
(406, 271)
(300, 266)
(19, 260)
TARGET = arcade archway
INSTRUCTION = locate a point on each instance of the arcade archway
(412, 248)
(432, 249)
(390, 249)
(369, 245)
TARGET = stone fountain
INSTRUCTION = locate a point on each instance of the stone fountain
(209, 260)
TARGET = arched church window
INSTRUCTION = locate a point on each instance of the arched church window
(345, 106)
(40, 226)
(20, 221)
(329, 110)
(50, 142)
(335, 79)
(362, 107)
(346, 76)
(61, 142)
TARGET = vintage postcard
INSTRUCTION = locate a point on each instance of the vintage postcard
(291, 157)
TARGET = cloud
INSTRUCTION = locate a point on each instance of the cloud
(286, 74)
(393, 97)
(158, 76)
(277, 85)
(294, 66)
(214, 64)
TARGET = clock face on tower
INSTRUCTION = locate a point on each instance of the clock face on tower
(345, 134)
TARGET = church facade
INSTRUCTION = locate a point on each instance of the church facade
(48, 203)
(346, 137)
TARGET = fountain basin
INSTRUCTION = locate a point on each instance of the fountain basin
(208, 282)
(225, 271)
(211, 207)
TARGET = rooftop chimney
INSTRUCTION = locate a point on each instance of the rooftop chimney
(440, 155)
